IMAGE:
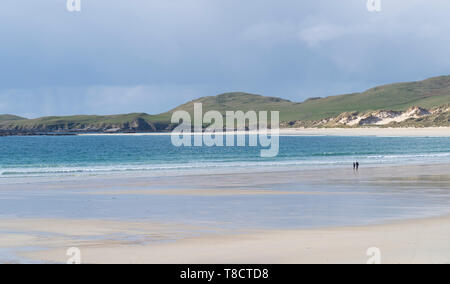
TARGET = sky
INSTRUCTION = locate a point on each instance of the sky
(152, 55)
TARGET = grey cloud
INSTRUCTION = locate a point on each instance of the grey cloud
(181, 49)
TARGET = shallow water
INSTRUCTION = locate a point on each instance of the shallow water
(94, 155)
(310, 183)
(294, 200)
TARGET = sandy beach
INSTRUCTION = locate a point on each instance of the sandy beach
(414, 241)
(225, 132)
(369, 131)
(408, 230)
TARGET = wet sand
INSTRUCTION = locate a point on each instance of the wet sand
(414, 241)
(401, 239)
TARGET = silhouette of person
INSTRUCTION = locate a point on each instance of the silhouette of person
(357, 165)
(354, 165)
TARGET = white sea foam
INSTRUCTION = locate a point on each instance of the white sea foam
(318, 161)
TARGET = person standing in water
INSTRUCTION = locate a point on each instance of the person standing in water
(357, 165)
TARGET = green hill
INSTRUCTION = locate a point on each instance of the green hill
(427, 94)
(234, 102)
(90, 123)
(430, 93)
(9, 117)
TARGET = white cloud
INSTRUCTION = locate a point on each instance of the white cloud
(313, 35)
(318, 34)
(271, 31)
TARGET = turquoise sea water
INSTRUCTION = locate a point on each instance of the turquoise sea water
(41, 156)
(354, 200)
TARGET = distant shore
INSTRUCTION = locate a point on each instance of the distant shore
(370, 131)
(406, 132)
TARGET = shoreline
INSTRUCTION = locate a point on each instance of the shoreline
(372, 131)
(390, 183)
(403, 211)
(220, 171)
(366, 131)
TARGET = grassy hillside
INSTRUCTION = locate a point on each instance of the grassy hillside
(427, 94)
(83, 119)
(9, 117)
(133, 121)
(234, 102)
